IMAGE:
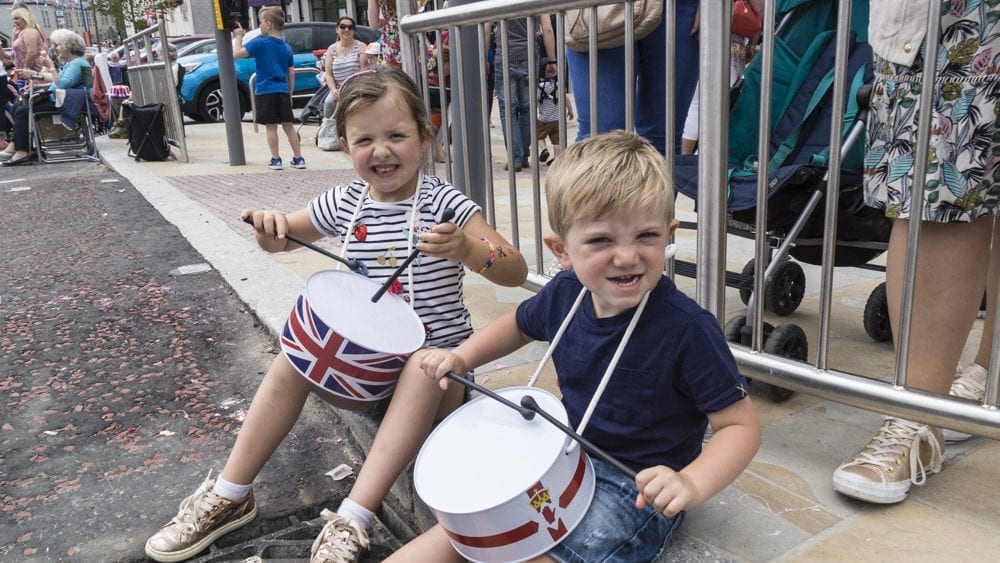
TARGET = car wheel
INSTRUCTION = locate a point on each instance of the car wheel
(210, 103)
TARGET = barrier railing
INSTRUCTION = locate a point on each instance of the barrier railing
(472, 170)
(152, 80)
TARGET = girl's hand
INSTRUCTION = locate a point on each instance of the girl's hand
(664, 489)
(269, 224)
(444, 240)
(436, 363)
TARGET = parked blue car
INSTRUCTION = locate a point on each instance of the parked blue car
(201, 92)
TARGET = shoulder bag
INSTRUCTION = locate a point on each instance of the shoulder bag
(611, 24)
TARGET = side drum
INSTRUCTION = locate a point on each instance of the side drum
(504, 488)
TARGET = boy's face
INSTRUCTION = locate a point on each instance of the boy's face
(618, 258)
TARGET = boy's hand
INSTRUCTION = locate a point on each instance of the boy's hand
(666, 490)
(272, 224)
(436, 363)
(444, 240)
(238, 30)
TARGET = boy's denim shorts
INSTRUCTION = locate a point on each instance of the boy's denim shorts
(613, 529)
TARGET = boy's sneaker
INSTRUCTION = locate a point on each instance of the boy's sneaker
(203, 517)
(970, 383)
(901, 454)
(275, 164)
(341, 540)
(298, 162)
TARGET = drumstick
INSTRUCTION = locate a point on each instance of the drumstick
(446, 216)
(351, 263)
(528, 402)
(527, 413)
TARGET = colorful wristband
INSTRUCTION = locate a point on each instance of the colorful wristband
(489, 258)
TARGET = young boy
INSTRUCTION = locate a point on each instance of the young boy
(611, 211)
(275, 82)
(548, 117)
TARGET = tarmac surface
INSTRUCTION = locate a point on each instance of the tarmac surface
(122, 384)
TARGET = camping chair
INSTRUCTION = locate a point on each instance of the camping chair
(67, 133)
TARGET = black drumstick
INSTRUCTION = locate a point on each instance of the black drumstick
(526, 413)
(351, 263)
(446, 216)
(528, 402)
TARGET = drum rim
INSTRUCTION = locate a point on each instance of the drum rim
(405, 310)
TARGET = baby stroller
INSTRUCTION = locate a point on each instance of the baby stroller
(799, 134)
(313, 110)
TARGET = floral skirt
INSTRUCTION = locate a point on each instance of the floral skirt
(963, 162)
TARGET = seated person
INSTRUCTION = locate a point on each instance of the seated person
(74, 72)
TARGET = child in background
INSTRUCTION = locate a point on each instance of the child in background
(275, 69)
(612, 219)
(548, 117)
(385, 130)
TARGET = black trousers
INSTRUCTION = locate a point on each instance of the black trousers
(21, 141)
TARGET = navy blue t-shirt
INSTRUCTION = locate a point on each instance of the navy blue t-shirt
(273, 57)
(675, 369)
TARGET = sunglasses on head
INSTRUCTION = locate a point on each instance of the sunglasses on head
(346, 26)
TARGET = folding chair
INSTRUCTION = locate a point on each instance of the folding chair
(54, 142)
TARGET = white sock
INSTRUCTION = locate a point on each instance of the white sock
(354, 511)
(228, 490)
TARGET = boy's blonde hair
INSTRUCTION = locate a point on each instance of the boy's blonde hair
(604, 176)
(363, 89)
(273, 15)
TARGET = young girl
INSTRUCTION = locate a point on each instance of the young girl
(384, 128)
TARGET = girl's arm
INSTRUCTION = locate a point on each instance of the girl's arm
(735, 439)
(272, 226)
(479, 247)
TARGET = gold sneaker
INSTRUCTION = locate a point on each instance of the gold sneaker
(901, 454)
(970, 383)
(203, 517)
(340, 541)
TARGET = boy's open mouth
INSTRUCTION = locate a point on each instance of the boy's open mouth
(626, 280)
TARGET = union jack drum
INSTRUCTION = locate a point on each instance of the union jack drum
(345, 344)
(504, 488)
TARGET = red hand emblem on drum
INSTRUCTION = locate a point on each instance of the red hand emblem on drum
(541, 501)
(361, 232)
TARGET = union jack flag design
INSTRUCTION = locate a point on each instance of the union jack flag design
(335, 363)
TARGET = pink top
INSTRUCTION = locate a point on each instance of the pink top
(21, 48)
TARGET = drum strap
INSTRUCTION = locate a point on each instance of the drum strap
(670, 251)
(409, 239)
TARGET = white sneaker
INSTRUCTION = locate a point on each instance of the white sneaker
(970, 383)
(340, 541)
(901, 454)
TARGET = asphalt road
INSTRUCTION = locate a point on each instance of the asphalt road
(123, 381)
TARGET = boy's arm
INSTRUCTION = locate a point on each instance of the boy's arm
(291, 80)
(239, 51)
(735, 439)
(493, 341)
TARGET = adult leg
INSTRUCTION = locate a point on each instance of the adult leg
(610, 90)
(502, 96)
(950, 277)
(992, 286)
(521, 124)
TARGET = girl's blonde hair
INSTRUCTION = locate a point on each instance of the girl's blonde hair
(363, 89)
(604, 176)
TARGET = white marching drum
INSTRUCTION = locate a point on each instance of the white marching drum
(345, 344)
(503, 487)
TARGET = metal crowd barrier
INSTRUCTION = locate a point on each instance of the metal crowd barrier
(152, 81)
(472, 165)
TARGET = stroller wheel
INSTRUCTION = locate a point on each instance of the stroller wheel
(783, 294)
(876, 318)
(788, 341)
(734, 330)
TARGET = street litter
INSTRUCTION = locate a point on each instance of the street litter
(341, 471)
(191, 269)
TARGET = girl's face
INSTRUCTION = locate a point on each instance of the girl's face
(385, 147)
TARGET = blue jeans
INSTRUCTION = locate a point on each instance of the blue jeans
(650, 91)
(613, 529)
(520, 106)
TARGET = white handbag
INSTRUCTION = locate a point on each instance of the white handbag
(326, 136)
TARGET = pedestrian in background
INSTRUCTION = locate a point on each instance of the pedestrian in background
(275, 67)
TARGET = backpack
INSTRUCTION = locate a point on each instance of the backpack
(146, 130)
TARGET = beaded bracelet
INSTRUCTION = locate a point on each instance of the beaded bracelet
(490, 258)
